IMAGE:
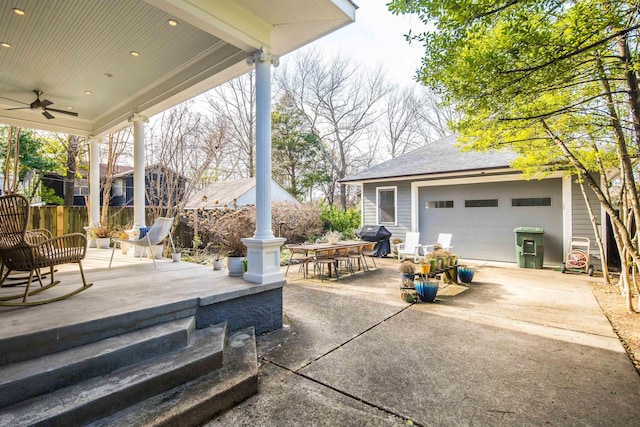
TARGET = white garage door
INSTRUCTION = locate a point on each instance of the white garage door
(482, 217)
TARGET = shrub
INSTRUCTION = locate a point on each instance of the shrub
(346, 222)
(225, 228)
(296, 222)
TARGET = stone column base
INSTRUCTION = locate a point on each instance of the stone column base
(264, 260)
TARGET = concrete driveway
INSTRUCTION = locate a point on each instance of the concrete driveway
(515, 347)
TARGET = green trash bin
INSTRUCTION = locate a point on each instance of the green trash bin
(529, 246)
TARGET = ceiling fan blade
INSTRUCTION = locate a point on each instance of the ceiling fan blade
(47, 115)
(71, 113)
(46, 103)
(9, 99)
(18, 108)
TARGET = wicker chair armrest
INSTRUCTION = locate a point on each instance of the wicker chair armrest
(37, 236)
(67, 248)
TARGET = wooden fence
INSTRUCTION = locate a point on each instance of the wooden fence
(61, 220)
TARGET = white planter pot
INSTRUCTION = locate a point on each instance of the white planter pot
(217, 264)
(102, 242)
(235, 266)
(175, 257)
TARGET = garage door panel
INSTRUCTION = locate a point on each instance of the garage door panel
(487, 232)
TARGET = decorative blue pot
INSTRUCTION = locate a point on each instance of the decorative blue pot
(465, 274)
(426, 290)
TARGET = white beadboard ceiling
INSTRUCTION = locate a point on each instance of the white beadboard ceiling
(67, 47)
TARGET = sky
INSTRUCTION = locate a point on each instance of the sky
(377, 38)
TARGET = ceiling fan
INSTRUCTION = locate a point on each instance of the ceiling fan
(42, 106)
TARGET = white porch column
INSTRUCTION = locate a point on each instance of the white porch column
(263, 249)
(94, 182)
(138, 170)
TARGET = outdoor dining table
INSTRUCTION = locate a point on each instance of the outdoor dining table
(314, 248)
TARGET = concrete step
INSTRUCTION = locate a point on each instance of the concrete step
(25, 380)
(20, 348)
(98, 397)
(200, 400)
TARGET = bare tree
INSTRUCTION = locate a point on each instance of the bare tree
(403, 127)
(115, 148)
(435, 116)
(181, 152)
(235, 105)
(339, 100)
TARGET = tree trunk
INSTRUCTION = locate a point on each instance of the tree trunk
(70, 178)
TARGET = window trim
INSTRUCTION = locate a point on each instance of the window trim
(395, 204)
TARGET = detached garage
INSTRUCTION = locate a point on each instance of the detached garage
(475, 196)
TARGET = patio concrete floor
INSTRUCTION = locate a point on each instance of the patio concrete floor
(515, 347)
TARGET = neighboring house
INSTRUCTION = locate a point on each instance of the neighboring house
(235, 193)
(162, 186)
(478, 198)
(161, 183)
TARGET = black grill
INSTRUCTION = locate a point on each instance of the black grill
(378, 234)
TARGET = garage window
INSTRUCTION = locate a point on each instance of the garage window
(481, 203)
(386, 203)
(439, 204)
(531, 201)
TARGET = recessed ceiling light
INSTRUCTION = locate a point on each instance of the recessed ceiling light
(69, 107)
(88, 92)
(172, 22)
(18, 11)
(5, 44)
(134, 53)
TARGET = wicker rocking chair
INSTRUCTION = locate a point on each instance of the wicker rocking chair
(29, 251)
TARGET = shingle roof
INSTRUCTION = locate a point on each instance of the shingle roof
(438, 157)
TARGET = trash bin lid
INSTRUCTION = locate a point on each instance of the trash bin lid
(538, 230)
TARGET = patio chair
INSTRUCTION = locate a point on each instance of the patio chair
(322, 258)
(342, 256)
(368, 250)
(410, 247)
(160, 229)
(444, 242)
(29, 251)
(303, 259)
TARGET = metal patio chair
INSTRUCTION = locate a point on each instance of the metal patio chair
(160, 229)
(29, 251)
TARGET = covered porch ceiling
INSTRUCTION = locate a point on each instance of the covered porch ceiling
(79, 53)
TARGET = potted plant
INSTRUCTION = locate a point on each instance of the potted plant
(101, 235)
(233, 229)
(217, 256)
(407, 273)
(332, 236)
(236, 254)
(124, 246)
(465, 274)
(425, 266)
(426, 290)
